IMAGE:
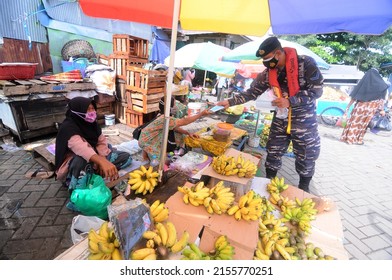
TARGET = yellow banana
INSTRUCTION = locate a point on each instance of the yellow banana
(242, 201)
(233, 210)
(172, 234)
(282, 251)
(149, 172)
(158, 209)
(149, 234)
(181, 243)
(104, 230)
(219, 240)
(93, 247)
(154, 205)
(106, 248)
(238, 215)
(143, 169)
(140, 254)
(162, 216)
(154, 174)
(261, 255)
(95, 237)
(97, 256)
(116, 254)
(152, 256)
(162, 232)
(150, 243)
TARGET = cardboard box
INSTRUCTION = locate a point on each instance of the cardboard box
(239, 186)
(243, 235)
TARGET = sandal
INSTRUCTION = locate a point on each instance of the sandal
(40, 174)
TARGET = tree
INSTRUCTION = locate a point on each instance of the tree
(364, 51)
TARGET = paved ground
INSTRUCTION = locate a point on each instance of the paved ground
(35, 224)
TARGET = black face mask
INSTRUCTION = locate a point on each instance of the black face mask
(271, 63)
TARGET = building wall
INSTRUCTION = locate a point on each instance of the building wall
(14, 50)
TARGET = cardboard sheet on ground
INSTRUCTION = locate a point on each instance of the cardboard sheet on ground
(242, 235)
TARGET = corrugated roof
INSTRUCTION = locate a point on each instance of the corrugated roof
(19, 21)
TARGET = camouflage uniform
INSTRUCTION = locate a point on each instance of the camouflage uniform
(304, 133)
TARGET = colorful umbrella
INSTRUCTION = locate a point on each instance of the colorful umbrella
(250, 17)
(204, 56)
(248, 50)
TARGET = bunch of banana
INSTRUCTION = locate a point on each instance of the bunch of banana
(299, 218)
(259, 253)
(228, 165)
(307, 206)
(143, 180)
(165, 234)
(269, 226)
(219, 200)
(222, 249)
(281, 201)
(249, 207)
(194, 195)
(277, 185)
(103, 245)
(159, 211)
(193, 252)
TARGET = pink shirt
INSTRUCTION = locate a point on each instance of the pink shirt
(79, 146)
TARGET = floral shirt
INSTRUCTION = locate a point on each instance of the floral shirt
(150, 139)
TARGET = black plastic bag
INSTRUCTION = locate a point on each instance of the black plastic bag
(381, 122)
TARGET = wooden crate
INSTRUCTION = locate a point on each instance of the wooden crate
(144, 103)
(103, 59)
(119, 63)
(145, 81)
(120, 110)
(130, 45)
(134, 118)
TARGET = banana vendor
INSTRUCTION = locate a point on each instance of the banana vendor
(297, 83)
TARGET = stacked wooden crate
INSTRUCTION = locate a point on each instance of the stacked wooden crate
(127, 51)
(144, 89)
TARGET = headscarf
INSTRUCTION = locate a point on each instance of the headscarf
(76, 125)
(370, 87)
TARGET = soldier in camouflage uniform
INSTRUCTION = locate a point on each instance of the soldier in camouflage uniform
(298, 89)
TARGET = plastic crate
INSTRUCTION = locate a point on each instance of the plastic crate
(17, 71)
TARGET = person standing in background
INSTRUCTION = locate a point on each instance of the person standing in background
(369, 97)
(221, 86)
(189, 75)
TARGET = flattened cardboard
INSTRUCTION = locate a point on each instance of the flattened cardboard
(186, 216)
(327, 229)
(243, 235)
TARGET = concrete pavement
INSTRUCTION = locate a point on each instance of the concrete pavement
(35, 224)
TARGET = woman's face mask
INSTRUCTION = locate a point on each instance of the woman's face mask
(88, 117)
(271, 63)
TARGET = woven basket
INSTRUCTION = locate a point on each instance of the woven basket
(77, 49)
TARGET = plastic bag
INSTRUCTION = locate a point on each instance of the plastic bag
(81, 225)
(92, 197)
(130, 220)
(264, 101)
(381, 122)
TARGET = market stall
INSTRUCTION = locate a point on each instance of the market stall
(222, 212)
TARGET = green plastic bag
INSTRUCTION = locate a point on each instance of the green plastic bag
(92, 197)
